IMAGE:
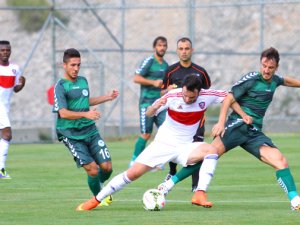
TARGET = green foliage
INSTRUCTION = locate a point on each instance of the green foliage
(33, 20)
(46, 187)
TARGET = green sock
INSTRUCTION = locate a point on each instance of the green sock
(94, 184)
(140, 145)
(286, 181)
(103, 176)
(185, 172)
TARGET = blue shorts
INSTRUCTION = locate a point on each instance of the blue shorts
(88, 150)
(238, 133)
(146, 123)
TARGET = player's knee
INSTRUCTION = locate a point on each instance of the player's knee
(106, 167)
(146, 136)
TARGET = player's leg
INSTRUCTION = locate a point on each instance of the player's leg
(146, 126)
(6, 136)
(273, 157)
(199, 137)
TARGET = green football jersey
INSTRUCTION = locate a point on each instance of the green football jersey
(153, 70)
(73, 96)
(254, 94)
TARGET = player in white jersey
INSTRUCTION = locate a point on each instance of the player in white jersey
(10, 80)
(174, 140)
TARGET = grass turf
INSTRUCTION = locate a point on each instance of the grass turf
(46, 188)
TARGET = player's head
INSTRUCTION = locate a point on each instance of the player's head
(5, 51)
(72, 62)
(184, 49)
(160, 45)
(269, 60)
(191, 86)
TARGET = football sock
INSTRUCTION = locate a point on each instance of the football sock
(172, 168)
(94, 184)
(3, 152)
(286, 181)
(185, 172)
(116, 184)
(139, 147)
(207, 170)
(103, 175)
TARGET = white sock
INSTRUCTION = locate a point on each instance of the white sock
(3, 152)
(207, 170)
(295, 201)
(116, 184)
(169, 184)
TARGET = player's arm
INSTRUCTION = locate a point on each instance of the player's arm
(291, 82)
(20, 85)
(151, 110)
(139, 79)
(104, 98)
(92, 114)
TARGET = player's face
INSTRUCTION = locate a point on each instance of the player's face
(5, 51)
(268, 68)
(189, 97)
(184, 51)
(72, 68)
(161, 48)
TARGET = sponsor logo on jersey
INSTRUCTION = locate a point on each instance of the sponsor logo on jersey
(179, 107)
(85, 92)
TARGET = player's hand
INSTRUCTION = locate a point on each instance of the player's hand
(93, 114)
(160, 102)
(157, 83)
(113, 94)
(22, 81)
(171, 87)
(218, 130)
(248, 119)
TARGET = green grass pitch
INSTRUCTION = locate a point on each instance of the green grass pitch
(46, 188)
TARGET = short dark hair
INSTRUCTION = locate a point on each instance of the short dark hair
(184, 39)
(271, 53)
(70, 53)
(159, 38)
(192, 82)
(4, 42)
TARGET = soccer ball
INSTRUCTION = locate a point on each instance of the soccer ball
(153, 200)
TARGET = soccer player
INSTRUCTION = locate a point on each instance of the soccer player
(150, 75)
(173, 79)
(75, 125)
(174, 140)
(254, 92)
(10, 81)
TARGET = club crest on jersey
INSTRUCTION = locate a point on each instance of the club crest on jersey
(85, 92)
(14, 71)
(202, 105)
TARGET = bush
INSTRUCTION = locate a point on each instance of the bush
(33, 20)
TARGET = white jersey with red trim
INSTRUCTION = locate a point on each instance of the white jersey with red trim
(9, 77)
(182, 119)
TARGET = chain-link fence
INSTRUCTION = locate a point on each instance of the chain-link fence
(114, 36)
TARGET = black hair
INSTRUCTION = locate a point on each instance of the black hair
(70, 53)
(4, 42)
(184, 39)
(270, 53)
(192, 82)
(159, 38)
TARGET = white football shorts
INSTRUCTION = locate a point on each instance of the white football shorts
(158, 153)
(4, 118)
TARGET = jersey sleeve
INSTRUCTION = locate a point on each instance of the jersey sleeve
(18, 74)
(144, 66)
(242, 86)
(60, 100)
(205, 79)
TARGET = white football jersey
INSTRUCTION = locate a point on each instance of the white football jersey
(182, 120)
(9, 77)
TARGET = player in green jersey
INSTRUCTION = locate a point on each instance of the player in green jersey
(254, 92)
(150, 76)
(75, 124)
